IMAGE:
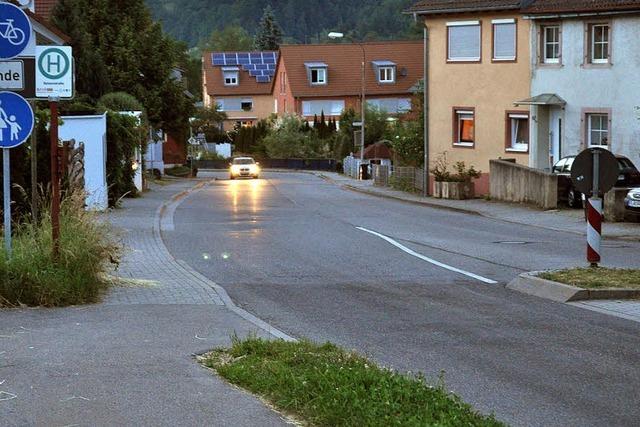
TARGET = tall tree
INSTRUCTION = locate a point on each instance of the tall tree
(231, 38)
(269, 35)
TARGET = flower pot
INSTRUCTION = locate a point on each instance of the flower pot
(457, 190)
(437, 189)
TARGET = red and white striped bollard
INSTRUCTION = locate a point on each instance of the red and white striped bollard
(594, 230)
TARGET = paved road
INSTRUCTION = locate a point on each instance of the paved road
(287, 249)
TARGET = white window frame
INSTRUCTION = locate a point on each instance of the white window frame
(601, 131)
(545, 43)
(593, 43)
(389, 73)
(513, 132)
(246, 101)
(319, 71)
(464, 24)
(496, 23)
(231, 78)
(463, 115)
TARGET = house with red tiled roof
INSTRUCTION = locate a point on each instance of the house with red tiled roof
(240, 84)
(44, 8)
(327, 78)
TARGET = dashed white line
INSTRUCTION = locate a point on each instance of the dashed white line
(427, 259)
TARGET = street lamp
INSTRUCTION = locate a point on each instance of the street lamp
(335, 35)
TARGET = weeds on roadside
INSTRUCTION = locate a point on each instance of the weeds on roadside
(31, 276)
(327, 386)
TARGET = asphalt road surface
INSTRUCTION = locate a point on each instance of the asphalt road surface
(418, 289)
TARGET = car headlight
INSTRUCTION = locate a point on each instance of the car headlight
(255, 168)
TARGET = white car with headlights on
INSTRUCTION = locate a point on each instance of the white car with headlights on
(244, 167)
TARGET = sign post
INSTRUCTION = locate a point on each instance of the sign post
(16, 124)
(54, 80)
(594, 172)
(16, 115)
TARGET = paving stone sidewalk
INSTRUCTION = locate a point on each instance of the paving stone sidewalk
(571, 220)
(131, 359)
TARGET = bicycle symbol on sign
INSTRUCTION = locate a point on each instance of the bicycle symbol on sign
(14, 35)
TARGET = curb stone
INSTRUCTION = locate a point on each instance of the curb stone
(349, 187)
(161, 221)
(530, 283)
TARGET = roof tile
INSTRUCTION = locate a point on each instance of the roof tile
(455, 6)
(574, 6)
(344, 65)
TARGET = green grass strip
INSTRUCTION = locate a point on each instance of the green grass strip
(327, 386)
(596, 278)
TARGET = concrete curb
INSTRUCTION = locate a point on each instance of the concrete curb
(530, 283)
(164, 218)
(467, 211)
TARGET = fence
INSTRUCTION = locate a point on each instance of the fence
(406, 178)
(297, 164)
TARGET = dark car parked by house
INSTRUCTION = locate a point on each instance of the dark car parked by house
(632, 202)
(629, 176)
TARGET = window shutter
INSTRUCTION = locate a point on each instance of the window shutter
(540, 49)
(504, 41)
(464, 42)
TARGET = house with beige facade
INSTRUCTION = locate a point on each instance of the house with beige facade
(478, 66)
(241, 84)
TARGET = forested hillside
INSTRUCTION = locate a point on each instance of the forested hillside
(302, 21)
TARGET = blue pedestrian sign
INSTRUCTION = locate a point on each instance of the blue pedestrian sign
(16, 120)
(15, 30)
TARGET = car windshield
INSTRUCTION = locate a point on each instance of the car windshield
(243, 161)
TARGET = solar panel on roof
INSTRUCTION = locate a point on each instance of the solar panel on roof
(263, 79)
(270, 72)
(262, 67)
(271, 66)
(255, 73)
(243, 55)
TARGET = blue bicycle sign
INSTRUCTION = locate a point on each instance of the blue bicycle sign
(13, 35)
(15, 30)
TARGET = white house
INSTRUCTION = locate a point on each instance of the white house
(585, 83)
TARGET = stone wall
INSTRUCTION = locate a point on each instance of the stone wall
(512, 182)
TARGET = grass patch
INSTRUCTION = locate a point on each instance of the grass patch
(596, 278)
(31, 277)
(327, 386)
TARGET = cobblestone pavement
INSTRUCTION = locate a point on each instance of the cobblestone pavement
(152, 275)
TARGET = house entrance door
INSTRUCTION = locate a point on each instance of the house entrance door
(555, 134)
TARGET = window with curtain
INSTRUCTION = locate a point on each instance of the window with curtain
(517, 132)
(464, 41)
(464, 127)
(504, 39)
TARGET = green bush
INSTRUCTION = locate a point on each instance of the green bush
(124, 135)
(179, 171)
(31, 277)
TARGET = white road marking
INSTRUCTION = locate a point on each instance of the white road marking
(427, 259)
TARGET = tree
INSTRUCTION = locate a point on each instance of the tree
(231, 38)
(269, 35)
(209, 121)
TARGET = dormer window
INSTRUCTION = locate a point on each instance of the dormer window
(230, 76)
(385, 71)
(316, 72)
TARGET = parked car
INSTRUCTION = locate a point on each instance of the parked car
(244, 167)
(629, 176)
(632, 201)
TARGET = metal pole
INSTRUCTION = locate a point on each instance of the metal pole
(34, 172)
(363, 110)
(6, 188)
(55, 181)
(425, 108)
